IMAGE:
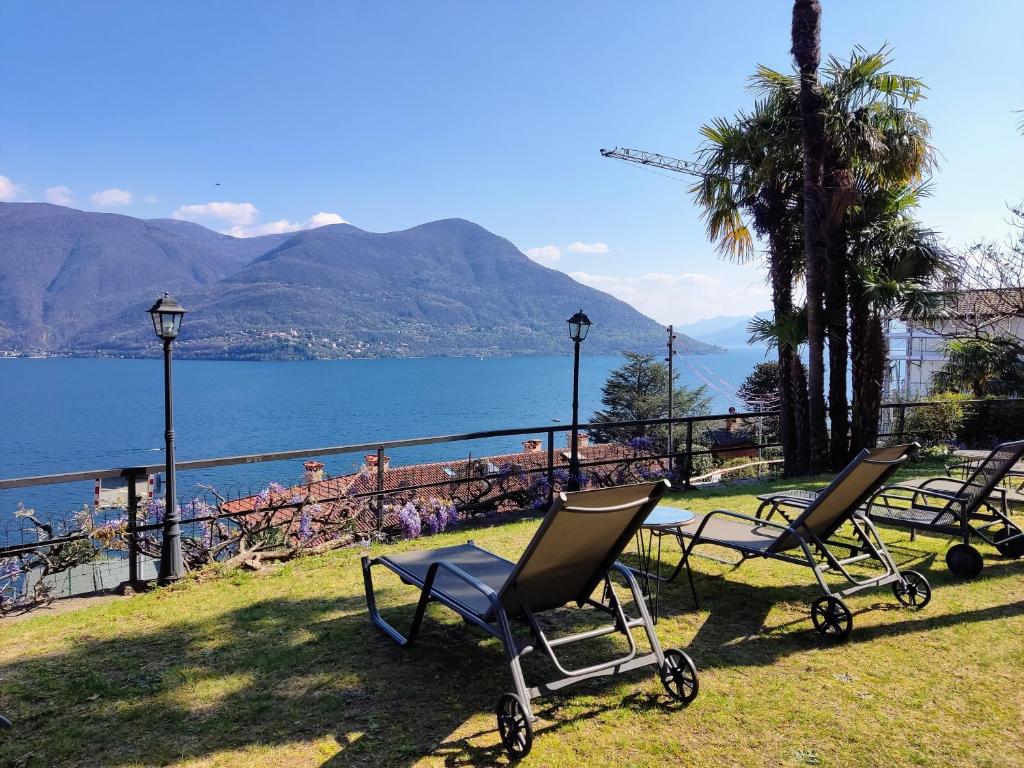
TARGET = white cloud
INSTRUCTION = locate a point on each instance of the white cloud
(8, 189)
(322, 219)
(59, 195)
(545, 254)
(242, 219)
(236, 214)
(579, 247)
(683, 297)
(113, 197)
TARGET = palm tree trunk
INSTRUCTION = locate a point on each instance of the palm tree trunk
(806, 38)
(780, 267)
(800, 415)
(877, 356)
(861, 369)
(839, 193)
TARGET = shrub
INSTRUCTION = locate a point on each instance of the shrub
(937, 423)
(990, 422)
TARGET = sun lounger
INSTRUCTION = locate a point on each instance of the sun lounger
(572, 554)
(801, 528)
(976, 507)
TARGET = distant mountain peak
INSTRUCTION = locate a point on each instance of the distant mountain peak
(78, 283)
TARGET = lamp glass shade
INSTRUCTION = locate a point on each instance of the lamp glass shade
(167, 314)
(579, 324)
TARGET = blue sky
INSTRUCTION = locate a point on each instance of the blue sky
(390, 114)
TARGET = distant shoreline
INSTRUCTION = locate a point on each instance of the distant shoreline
(9, 355)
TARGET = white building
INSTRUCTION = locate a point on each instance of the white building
(917, 350)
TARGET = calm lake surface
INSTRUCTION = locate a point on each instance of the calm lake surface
(63, 415)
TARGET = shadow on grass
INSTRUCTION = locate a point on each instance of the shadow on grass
(736, 631)
(285, 671)
(275, 672)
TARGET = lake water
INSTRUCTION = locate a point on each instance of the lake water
(63, 415)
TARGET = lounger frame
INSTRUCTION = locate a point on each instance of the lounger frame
(508, 606)
(501, 626)
(977, 507)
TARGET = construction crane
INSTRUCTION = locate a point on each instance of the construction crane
(653, 159)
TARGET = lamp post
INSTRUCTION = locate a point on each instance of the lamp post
(671, 391)
(167, 314)
(579, 324)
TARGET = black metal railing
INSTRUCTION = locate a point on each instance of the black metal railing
(694, 440)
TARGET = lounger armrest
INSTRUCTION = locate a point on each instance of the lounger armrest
(914, 491)
(780, 503)
(739, 516)
(454, 570)
(964, 485)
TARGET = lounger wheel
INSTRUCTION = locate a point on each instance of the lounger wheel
(4, 722)
(679, 676)
(913, 590)
(1012, 549)
(831, 617)
(514, 726)
(964, 561)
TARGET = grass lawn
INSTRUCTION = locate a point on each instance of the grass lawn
(284, 669)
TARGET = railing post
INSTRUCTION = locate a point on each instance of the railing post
(671, 449)
(380, 488)
(551, 466)
(689, 454)
(133, 521)
(901, 420)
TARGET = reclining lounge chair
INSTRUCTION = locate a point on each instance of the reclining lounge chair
(975, 507)
(805, 534)
(573, 553)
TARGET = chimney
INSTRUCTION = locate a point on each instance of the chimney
(531, 446)
(583, 438)
(314, 472)
(370, 462)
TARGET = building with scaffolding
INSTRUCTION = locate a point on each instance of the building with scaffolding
(917, 349)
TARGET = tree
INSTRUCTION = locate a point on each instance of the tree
(638, 391)
(982, 367)
(760, 389)
(806, 50)
(760, 392)
(894, 260)
(752, 168)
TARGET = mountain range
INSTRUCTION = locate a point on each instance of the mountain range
(729, 331)
(78, 283)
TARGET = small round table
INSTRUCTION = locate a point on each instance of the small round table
(662, 521)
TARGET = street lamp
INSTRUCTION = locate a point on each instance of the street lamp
(579, 324)
(167, 314)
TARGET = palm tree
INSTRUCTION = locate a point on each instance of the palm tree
(806, 50)
(750, 169)
(874, 141)
(787, 334)
(982, 365)
(894, 262)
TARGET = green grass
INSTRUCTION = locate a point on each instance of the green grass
(284, 669)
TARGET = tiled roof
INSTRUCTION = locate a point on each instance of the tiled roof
(445, 478)
(983, 302)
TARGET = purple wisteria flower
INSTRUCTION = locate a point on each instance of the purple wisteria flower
(155, 510)
(305, 527)
(641, 443)
(10, 569)
(409, 521)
